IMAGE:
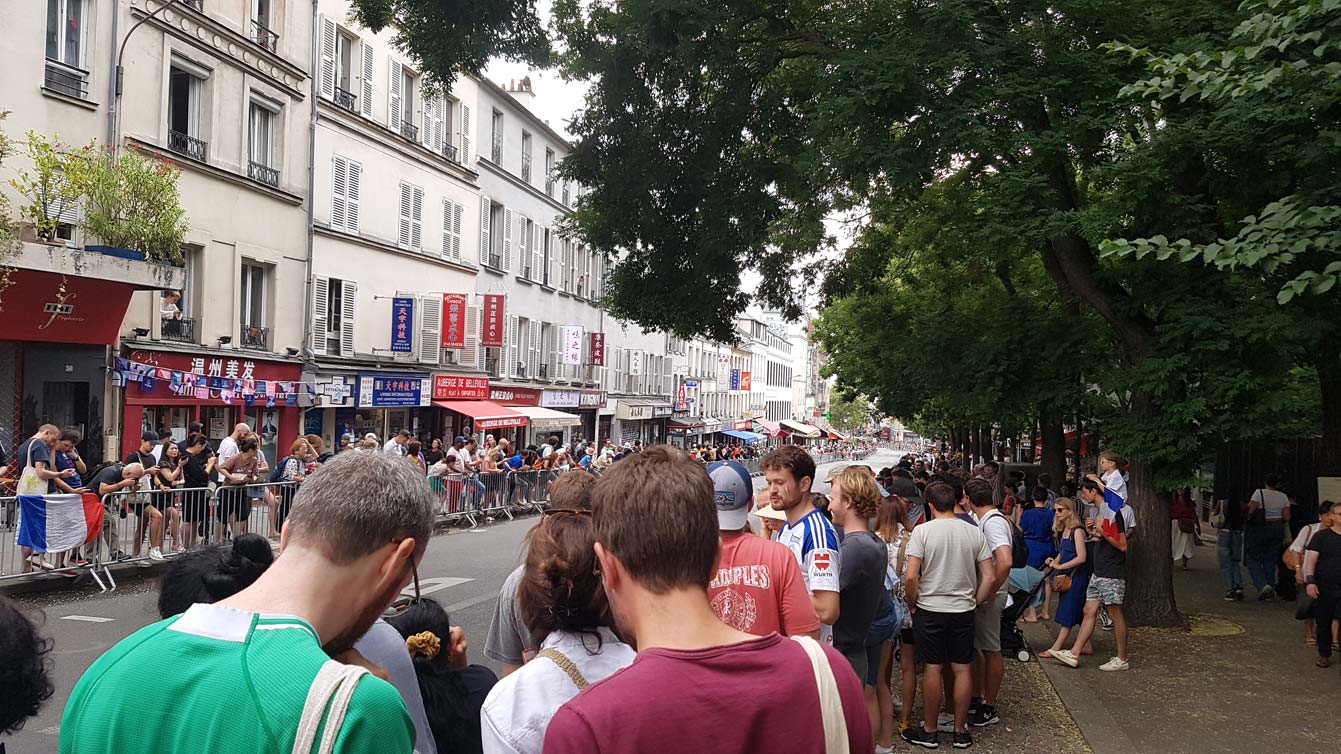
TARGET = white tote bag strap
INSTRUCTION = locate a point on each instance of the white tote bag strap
(334, 685)
(831, 703)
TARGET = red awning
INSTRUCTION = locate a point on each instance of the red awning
(836, 435)
(486, 414)
(770, 427)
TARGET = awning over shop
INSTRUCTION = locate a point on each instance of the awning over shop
(740, 434)
(545, 418)
(836, 435)
(801, 429)
(770, 427)
(683, 425)
(711, 425)
(486, 414)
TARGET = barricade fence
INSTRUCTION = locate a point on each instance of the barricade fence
(137, 522)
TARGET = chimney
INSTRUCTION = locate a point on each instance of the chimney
(521, 91)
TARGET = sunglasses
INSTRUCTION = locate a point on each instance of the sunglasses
(401, 604)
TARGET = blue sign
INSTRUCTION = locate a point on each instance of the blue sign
(390, 390)
(691, 383)
(735, 379)
(313, 421)
(402, 325)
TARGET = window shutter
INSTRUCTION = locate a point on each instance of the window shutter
(537, 253)
(320, 305)
(511, 346)
(533, 357)
(439, 122)
(406, 199)
(327, 57)
(563, 264)
(665, 376)
(551, 244)
(485, 211)
(367, 94)
(451, 230)
(430, 328)
(348, 293)
(507, 239)
(417, 220)
(465, 135)
(339, 192)
(555, 340)
(470, 355)
(352, 200)
(394, 101)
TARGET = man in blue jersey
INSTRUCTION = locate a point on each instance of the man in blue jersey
(789, 471)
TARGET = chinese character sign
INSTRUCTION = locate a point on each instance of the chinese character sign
(453, 320)
(745, 381)
(402, 325)
(635, 363)
(735, 379)
(572, 345)
(598, 349)
(492, 335)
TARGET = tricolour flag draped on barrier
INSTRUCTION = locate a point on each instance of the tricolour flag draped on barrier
(52, 523)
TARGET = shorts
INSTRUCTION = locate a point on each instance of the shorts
(233, 501)
(987, 624)
(136, 507)
(943, 637)
(856, 657)
(882, 630)
(1106, 591)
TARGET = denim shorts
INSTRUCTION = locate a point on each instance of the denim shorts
(882, 630)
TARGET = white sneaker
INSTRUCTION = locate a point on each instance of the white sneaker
(884, 750)
(1065, 657)
(156, 553)
(1117, 663)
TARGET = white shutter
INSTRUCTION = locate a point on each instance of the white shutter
(367, 94)
(417, 220)
(507, 239)
(406, 200)
(439, 123)
(430, 328)
(339, 192)
(563, 265)
(394, 101)
(537, 253)
(352, 199)
(533, 356)
(510, 344)
(451, 230)
(551, 268)
(485, 211)
(328, 33)
(320, 305)
(348, 293)
(519, 249)
(555, 340)
(465, 135)
(665, 376)
(470, 355)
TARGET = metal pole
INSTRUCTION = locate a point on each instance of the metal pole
(118, 72)
(308, 291)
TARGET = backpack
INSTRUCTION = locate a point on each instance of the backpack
(1019, 548)
(277, 473)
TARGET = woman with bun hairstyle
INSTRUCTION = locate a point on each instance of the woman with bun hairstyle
(213, 574)
(564, 605)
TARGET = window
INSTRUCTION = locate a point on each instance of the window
(549, 172)
(494, 243)
(184, 95)
(529, 264)
(261, 31)
(344, 71)
(261, 140)
(400, 104)
(251, 313)
(346, 175)
(526, 157)
(65, 54)
(333, 316)
(452, 213)
(411, 216)
(565, 192)
(496, 149)
(407, 103)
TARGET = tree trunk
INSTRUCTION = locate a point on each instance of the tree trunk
(1150, 599)
(1053, 461)
(1329, 380)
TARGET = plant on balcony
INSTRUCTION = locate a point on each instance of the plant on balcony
(54, 185)
(134, 203)
(9, 228)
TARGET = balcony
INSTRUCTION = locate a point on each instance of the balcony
(543, 374)
(66, 79)
(346, 99)
(179, 330)
(495, 261)
(198, 5)
(409, 130)
(189, 146)
(491, 362)
(549, 186)
(496, 149)
(526, 168)
(263, 36)
(449, 151)
(255, 338)
(263, 174)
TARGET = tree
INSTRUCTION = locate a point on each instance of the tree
(849, 413)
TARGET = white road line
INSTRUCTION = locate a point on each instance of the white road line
(87, 618)
(435, 584)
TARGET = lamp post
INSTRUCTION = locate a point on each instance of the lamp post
(118, 78)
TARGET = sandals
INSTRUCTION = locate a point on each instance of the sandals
(1323, 662)
(1045, 654)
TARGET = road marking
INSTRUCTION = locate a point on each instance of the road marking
(453, 609)
(436, 584)
(51, 730)
(87, 618)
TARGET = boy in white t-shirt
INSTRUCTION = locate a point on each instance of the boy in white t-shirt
(1113, 485)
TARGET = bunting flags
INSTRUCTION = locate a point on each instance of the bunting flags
(201, 387)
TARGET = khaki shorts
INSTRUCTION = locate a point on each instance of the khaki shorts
(987, 624)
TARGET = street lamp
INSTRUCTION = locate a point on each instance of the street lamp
(118, 79)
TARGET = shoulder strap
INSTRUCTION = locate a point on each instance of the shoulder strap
(566, 665)
(903, 547)
(831, 703)
(335, 684)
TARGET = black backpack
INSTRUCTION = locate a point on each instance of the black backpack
(1019, 548)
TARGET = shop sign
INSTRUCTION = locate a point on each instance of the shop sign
(402, 324)
(454, 320)
(661, 411)
(514, 396)
(635, 363)
(561, 399)
(745, 381)
(51, 308)
(598, 349)
(392, 390)
(572, 345)
(680, 403)
(450, 387)
(735, 379)
(335, 391)
(591, 399)
(492, 335)
(213, 366)
(693, 383)
(633, 411)
(746, 425)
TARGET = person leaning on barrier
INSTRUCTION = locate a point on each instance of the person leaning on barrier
(114, 480)
(196, 474)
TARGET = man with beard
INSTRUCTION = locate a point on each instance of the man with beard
(239, 671)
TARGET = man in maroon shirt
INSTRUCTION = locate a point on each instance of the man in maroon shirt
(657, 544)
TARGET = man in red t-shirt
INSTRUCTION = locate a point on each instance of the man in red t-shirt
(657, 544)
(758, 588)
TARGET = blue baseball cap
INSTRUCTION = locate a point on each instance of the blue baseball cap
(733, 491)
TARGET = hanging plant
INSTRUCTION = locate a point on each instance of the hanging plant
(134, 203)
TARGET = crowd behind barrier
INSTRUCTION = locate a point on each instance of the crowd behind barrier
(196, 517)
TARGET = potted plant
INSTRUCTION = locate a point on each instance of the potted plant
(53, 186)
(134, 207)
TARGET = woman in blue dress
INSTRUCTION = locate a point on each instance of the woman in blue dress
(1073, 561)
(1036, 523)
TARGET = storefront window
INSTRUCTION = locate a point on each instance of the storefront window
(265, 422)
(176, 419)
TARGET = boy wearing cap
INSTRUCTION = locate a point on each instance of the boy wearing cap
(758, 587)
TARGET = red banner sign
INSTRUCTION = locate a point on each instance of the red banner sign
(493, 327)
(51, 308)
(454, 320)
(598, 349)
(449, 387)
(745, 380)
(514, 396)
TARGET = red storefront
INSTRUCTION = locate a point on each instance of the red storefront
(273, 418)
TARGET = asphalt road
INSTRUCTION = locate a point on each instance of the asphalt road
(462, 569)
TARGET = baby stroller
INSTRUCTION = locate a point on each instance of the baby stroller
(1012, 637)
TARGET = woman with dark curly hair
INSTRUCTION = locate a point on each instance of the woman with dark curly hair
(563, 603)
(23, 669)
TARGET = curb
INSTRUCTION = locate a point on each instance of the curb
(1098, 726)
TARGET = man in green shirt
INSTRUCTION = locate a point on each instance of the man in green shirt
(234, 676)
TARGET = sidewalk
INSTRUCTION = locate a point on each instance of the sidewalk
(1241, 680)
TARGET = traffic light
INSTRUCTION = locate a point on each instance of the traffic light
(826, 415)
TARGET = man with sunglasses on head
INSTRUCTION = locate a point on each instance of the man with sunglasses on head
(242, 668)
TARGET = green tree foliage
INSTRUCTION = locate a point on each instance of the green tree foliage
(848, 413)
(446, 39)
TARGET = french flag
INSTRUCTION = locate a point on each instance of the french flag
(54, 523)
